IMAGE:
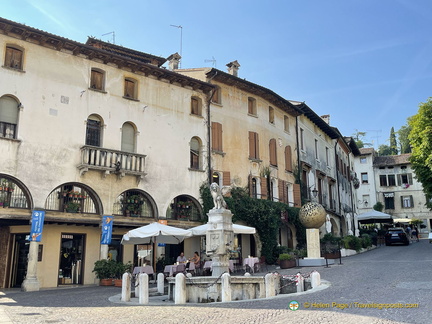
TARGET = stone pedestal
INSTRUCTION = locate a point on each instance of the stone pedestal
(313, 243)
(219, 238)
(31, 282)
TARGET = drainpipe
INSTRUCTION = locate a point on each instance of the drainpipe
(209, 165)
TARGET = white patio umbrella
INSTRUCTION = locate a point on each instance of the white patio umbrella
(155, 232)
(374, 216)
(237, 229)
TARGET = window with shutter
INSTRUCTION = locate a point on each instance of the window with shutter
(14, 58)
(93, 131)
(252, 106)
(216, 98)
(130, 89)
(8, 117)
(196, 106)
(217, 137)
(286, 124)
(288, 159)
(195, 154)
(271, 115)
(128, 138)
(253, 145)
(97, 79)
(273, 154)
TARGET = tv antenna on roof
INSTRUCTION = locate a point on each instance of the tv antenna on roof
(181, 39)
(113, 35)
(213, 60)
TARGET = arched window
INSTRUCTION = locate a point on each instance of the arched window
(135, 203)
(12, 194)
(128, 138)
(94, 131)
(195, 153)
(73, 198)
(216, 178)
(272, 149)
(184, 208)
(8, 117)
(254, 192)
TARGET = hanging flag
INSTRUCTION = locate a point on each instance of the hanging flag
(37, 223)
(107, 225)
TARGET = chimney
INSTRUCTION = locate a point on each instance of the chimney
(233, 68)
(326, 118)
(173, 60)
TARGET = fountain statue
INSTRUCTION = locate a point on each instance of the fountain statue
(219, 236)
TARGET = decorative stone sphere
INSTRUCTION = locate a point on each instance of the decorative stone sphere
(312, 215)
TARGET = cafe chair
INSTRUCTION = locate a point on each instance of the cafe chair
(181, 268)
(261, 264)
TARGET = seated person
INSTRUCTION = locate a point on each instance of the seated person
(195, 259)
(181, 258)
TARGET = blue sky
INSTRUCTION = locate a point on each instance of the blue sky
(366, 63)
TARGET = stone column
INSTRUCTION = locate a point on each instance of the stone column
(270, 285)
(160, 283)
(300, 283)
(219, 239)
(31, 282)
(126, 287)
(315, 279)
(104, 251)
(226, 287)
(180, 289)
(313, 243)
(143, 280)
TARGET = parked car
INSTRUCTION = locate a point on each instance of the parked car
(396, 235)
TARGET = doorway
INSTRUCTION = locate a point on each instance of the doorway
(71, 259)
(19, 260)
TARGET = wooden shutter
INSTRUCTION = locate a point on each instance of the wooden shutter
(253, 145)
(96, 80)
(194, 106)
(282, 191)
(288, 158)
(297, 195)
(273, 155)
(129, 89)
(264, 188)
(217, 136)
(13, 58)
(226, 178)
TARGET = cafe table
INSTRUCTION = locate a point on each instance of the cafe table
(250, 262)
(145, 269)
(171, 269)
(208, 265)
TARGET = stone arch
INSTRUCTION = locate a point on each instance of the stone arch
(135, 203)
(74, 197)
(14, 193)
(184, 207)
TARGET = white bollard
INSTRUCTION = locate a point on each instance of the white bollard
(143, 280)
(226, 287)
(269, 285)
(126, 287)
(161, 283)
(300, 282)
(180, 289)
(136, 283)
(315, 279)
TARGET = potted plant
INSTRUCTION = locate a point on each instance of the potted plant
(72, 207)
(286, 261)
(120, 269)
(104, 270)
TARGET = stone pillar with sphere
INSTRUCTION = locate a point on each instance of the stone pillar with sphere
(313, 215)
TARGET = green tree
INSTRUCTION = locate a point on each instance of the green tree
(420, 139)
(358, 139)
(393, 142)
(404, 144)
(384, 150)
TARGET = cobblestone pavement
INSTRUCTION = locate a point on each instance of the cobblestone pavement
(388, 277)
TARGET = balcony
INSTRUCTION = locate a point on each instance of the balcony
(111, 161)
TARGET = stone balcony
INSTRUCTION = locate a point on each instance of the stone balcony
(111, 161)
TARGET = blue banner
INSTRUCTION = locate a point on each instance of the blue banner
(107, 225)
(37, 223)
